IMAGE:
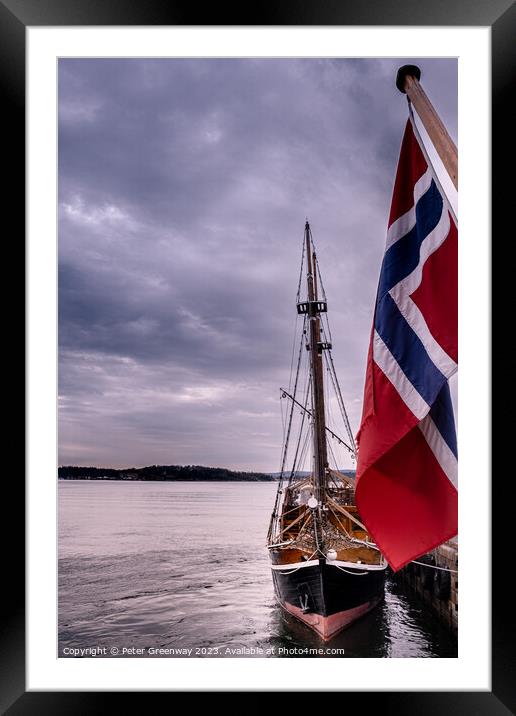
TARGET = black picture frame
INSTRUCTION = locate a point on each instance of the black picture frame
(15, 17)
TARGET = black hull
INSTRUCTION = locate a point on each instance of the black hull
(328, 596)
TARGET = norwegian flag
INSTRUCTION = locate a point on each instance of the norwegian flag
(406, 489)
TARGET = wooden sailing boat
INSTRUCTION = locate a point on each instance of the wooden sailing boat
(326, 570)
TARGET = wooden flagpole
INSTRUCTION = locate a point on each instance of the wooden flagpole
(407, 81)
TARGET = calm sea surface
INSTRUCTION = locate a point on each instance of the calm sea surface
(183, 566)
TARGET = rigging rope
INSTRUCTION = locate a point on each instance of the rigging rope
(331, 370)
(330, 446)
(274, 516)
(298, 441)
(293, 353)
(300, 272)
(282, 423)
(285, 450)
(304, 451)
(354, 574)
(328, 327)
(434, 566)
(326, 330)
(291, 571)
(340, 523)
(320, 283)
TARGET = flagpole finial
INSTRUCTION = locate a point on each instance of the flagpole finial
(405, 71)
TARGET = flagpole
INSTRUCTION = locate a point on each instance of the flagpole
(407, 81)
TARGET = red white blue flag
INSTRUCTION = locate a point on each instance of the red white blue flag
(406, 489)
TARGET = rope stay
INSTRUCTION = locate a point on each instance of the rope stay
(274, 515)
(354, 574)
(435, 566)
(304, 413)
(319, 277)
(330, 365)
(326, 330)
(298, 294)
(310, 413)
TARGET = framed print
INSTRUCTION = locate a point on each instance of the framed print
(168, 161)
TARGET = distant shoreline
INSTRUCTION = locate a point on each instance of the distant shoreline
(162, 473)
(171, 473)
(156, 479)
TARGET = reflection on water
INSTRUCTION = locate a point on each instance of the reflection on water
(183, 566)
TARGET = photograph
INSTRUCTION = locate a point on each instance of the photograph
(258, 403)
(246, 291)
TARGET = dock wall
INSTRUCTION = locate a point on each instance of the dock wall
(438, 589)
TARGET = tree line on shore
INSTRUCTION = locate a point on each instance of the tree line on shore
(191, 473)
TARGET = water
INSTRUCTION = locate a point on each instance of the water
(162, 565)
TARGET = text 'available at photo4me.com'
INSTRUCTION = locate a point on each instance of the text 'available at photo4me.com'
(200, 651)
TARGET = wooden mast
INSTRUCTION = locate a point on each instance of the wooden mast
(320, 450)
(407, 81)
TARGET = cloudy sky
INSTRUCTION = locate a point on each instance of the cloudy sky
(184, 186)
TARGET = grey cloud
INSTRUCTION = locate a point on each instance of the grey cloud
(183, 190)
